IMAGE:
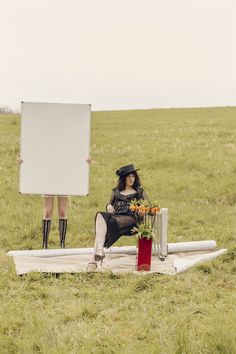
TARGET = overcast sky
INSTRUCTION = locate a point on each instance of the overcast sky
(118, 54)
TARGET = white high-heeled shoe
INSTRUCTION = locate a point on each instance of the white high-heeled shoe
(99, 256)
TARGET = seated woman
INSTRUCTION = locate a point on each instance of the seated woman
(118, 220)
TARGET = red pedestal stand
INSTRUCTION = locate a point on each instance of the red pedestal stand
(144, 254)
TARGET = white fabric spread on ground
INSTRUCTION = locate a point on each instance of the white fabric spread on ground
(114, 262)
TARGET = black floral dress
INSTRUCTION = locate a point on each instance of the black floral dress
(122, 220)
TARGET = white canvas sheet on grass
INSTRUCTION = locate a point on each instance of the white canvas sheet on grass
(119, 261)
(55, 140)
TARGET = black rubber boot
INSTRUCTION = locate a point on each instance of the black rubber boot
(62, 231)
(46, 224)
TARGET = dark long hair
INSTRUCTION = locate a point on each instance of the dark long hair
(121, 181)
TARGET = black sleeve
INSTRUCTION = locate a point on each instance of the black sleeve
(145, 197)
(112, 199)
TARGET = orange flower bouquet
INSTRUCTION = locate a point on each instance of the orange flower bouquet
(146, 213)
(144, 210)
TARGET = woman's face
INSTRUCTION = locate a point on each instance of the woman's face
(129, 180)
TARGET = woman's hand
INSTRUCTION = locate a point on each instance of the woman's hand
(19, 161)
(89, 160)
(110, 208)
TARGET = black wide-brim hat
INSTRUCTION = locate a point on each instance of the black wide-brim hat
(126, 170)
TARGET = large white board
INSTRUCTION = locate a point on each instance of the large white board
(55, 140)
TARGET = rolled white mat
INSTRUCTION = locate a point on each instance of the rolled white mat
(182, 264)
(191, 246)
(206, 245)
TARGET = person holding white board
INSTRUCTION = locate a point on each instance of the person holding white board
(55, 141)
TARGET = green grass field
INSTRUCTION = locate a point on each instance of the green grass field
(187, 161)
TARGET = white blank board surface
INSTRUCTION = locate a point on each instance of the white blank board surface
(55, 140)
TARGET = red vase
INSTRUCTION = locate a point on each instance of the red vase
(144, 254)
